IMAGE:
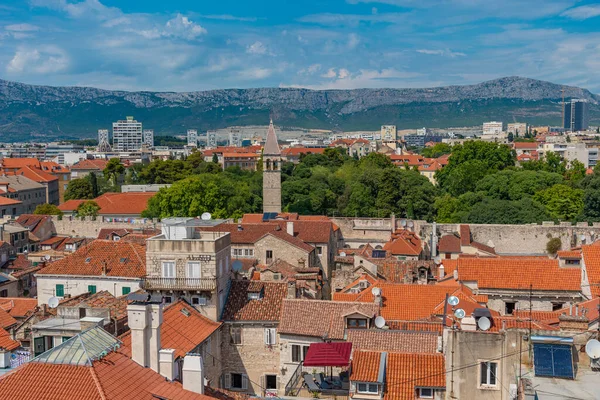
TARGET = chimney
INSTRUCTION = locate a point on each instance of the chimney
(301, 263)
(240, 228)
(393, 221)
(468, 324)
(576, 310)
(573, 322)
(193, 373)
(291, 290)
(137, 319)
(455, 274)
(154, 323)
(104, 268)
(166, 360)
(441, 271)
(290, 227)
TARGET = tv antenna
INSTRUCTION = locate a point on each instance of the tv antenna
(380, 322)
(206, 216)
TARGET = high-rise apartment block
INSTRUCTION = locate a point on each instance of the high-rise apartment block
(127, 135)
(235, 138)
(577, 115)
(192, 137)
(519, 128)
(492, 128)
(148, 135)
(211, 139)
(389, 132)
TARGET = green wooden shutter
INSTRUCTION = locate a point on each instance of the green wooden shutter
(92, 289)
(60, 290)
(125, 290)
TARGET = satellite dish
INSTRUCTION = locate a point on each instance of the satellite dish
(403, 222)
(47, 257)
(237, 265)
(206, 216)
(53, 302)
(453, 300)
(592, 349)
(437, 259)
(460, 313)
(343, 254)
(411, 224)
(376, 291)
(484, 323)
(380, 322)
(582, 238)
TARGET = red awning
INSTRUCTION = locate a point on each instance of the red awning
(328, 354)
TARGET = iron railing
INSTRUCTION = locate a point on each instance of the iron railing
(159, 283)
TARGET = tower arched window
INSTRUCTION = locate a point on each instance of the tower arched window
(268, 165)
(274, 165)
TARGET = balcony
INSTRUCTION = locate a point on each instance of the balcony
(159, 283)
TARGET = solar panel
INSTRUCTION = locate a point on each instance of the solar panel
(3, 279)
(269, 216)
(379, 253)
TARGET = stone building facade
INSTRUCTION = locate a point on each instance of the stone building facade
(271, 173)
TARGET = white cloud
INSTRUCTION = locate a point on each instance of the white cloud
(582, 12)
(330, 73)
(437, 52)
(310, 70)
(353, 41)
(363, 78)
(117, 21)
(255, 73)
(43, 60)
(22, 28)
(181, 26)
(228, 17)
(331, 19)
(256, 48)
(343, 73)
(82, 9)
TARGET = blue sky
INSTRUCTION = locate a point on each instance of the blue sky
(197, 45)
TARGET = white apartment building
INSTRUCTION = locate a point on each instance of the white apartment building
(211, 139)
(389, 132)
(517, 128)
(192, 137)
(492, 128)
(572, 151)
(127, 135)
(148, 135)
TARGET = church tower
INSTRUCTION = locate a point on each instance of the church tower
(271, 173)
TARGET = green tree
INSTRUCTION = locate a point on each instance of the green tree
(494, 211)
(94, 184)
(561, 201)
(215, 158)
(510, 137)
(79, 189)
(553, 246)
(511, 184)
(48, 209)
(87, 209)
(437, 150)
(113, 170)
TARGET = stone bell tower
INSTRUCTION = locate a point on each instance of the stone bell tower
(271, 173)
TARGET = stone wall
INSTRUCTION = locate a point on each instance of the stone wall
(89, 228)
(253, 357)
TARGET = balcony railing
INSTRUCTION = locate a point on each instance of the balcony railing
(159, 283)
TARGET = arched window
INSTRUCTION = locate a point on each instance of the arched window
(274, 165)
(268, 165)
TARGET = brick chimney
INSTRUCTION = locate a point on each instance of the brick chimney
(573, 322)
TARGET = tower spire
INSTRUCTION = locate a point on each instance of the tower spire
(271, 145)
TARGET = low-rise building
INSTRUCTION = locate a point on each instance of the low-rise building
(21, 188)
(117, 267)
(114, 206)
(83, 168)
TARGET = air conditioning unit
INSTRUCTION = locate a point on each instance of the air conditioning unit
(363, 284)
(595, 363)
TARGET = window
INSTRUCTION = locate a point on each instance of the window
(299, 352)
(82, 312)
(359, 323)
(237, 252)
(271, 382)
(92, 289)
(236, 381)
(125, 290)
(557, 306)
(236, 334)
(193, 269)
(168, 299)
(425, 393)
(270, 336)
(4, 293)
(369, 388)
(487, 373)
(168, 269)
(509, 307)
(319, 250)
(248, 252)
(269, 254)
(60, 290)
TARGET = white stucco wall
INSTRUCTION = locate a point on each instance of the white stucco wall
(75, 285)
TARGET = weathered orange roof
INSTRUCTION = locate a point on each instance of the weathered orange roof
(36, 175)
(6, 342)
(365, 366)
(404, 242)
(18, 306)
(296, 151)
(18, 163)
(129, 203)
(407, 371)
(121, 259)
(179, 331)
(6, 320)
(5, 201)
(240, 308)
(95, 164)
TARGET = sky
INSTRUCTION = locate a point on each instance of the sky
(188, 45)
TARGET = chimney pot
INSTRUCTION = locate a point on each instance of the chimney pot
(193, 373)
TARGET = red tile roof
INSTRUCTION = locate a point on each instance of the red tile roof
(4, 201)
(449, 244)
(319, 317)
(121, 259)
(113, 377)
(591, 259)
(525, 145)
(95, 164)
(6, 320)
(465, 235)
(392, 340)
(517, 273)
(36, 175)
(573, 254)
(365, 366)
(18, 163)
(18, 307)
(130, 203)
(406, 371)
(296, 151)
(6, 342)
(404, 242)
(240, 308)
(179, 331)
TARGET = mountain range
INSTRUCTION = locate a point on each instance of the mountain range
(30, 112)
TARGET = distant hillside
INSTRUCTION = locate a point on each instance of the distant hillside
(46, 112)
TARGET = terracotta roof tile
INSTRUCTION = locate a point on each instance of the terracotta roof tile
(573, 254)
(18, 307)
(404, 242)
(6, 320)
(319, 317)
(6, 342)
(449, 244)
(268, 308)
(5, 201)
(121, 259)
(296, 151)
(17, 163)
(392, 340)
(95, 164)
(465, 235)
(179, 331)
(365, 366)
(129, 203)
(36, 175)
(407, 371)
